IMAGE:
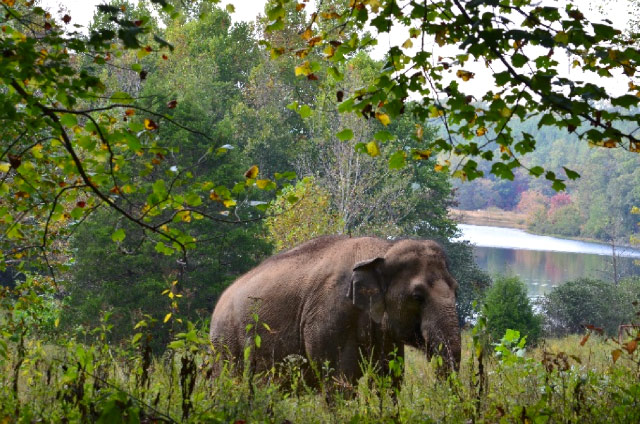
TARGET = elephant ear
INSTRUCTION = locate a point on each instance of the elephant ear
(367, 288)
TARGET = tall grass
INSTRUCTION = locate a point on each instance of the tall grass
(82, 378)
(560, 381)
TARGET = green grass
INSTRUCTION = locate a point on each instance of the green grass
(559, 381)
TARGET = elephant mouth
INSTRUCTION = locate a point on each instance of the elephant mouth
(435, 346)
(418, 339)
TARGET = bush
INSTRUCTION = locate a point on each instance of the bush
(587, 301)
(507, 306)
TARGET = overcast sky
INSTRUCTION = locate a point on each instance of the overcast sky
(81, 12)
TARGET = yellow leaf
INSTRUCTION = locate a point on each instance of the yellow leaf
(438, 168)
(252, 172)
(303, 69)
(315, 40)
(167, 317)
(481, 131)
(229, 203)
(185, 216)
(57, 322)
(150, 125)
(5, 166)
(383, 118)
(615, 354)
(434, 112)
(174, 282)
(372, 149)
(329, 51)
(262, 183)
(561, 37)
(306, 34)
(374, 5)
(165, 292)
(214, 196)
(505, 112)
(465, 75)
(407, 44)
(421, 154)
(36, 151)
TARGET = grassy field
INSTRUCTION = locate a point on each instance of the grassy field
(558, 381)
(492, 216)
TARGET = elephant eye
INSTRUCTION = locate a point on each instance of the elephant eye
(419, 297)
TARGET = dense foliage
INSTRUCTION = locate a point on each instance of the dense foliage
(522, 43)
(507, 306)
(572, 306)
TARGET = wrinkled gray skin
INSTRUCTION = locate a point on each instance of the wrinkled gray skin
(341, 299)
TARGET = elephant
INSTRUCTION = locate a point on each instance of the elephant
(341, 299)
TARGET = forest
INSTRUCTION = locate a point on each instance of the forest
(599, 205)
(150, 159)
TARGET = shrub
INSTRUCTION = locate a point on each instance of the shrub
(587, 301)
(289, 225)
(508, 307)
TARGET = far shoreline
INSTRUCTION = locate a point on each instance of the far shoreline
(495, 217)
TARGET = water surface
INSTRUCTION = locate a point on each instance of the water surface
(544, 262)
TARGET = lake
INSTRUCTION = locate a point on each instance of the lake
(543, 262)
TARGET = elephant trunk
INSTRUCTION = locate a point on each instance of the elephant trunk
(442, 337)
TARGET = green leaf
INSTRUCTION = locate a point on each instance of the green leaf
(572, 175)
(121, 97)
(69, 120)
(163, 42)
(519, 60)
(160, 188)
(345, 135)
(501, 170)
(305, 111)
(164, 249)
(536, 171)
(193, 199)
(118, 235)
(384, 136)
(397, 160)
(177, 344)
(625, 101)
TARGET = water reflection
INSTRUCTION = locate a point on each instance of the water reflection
(541, 270)
(544, 262)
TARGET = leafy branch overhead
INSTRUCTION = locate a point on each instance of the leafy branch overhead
(523, 44)
(71, 144)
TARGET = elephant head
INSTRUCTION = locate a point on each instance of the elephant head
(411, 294)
